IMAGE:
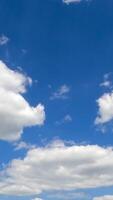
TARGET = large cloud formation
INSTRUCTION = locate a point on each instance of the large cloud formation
(58, 167)
(15, 111)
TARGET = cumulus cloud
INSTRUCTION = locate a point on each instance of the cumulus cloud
(3, 40)
(105, 112)
(58, 168)
(107, 197)
(15, 111)
(61, 92)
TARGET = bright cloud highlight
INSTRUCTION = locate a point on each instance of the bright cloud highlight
(15, 111)
(105, 112)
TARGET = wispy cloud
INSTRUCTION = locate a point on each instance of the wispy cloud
(37, 198)
(106, 197)
(68, 195)
(23, 145)
(107, 82)
(61, 92)
(71, 1)
(66, 119)
(3, 40)
(24, 51)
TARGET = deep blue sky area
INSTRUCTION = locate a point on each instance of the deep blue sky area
(59, 44)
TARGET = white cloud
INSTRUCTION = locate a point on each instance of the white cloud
(15, 111)
(107, 197)
(105, 112)
(58, 168)
(37, 199)
(61, 93)
(71, 1)
(3, 40)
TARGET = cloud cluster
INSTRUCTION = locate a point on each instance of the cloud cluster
(15, 111)
(58, 168)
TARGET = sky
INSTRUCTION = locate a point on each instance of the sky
(56, 100)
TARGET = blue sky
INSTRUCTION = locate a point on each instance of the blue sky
(56, 100)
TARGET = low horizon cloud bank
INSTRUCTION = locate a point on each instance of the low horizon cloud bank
(58, 167)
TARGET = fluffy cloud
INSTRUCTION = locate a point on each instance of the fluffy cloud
(58, 168)
(105, 104)
(61, 92)
(15, 111)
(108, 197)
